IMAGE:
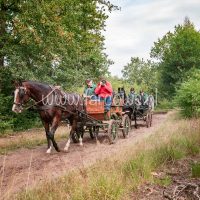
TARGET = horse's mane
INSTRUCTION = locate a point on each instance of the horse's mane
(39, 84)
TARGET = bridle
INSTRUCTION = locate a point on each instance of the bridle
(25, 92)
(21, 94)
(42, 107)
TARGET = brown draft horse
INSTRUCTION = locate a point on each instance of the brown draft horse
(52, 104)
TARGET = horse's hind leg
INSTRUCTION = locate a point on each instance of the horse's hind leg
(73, 130)
(81, 132)
(135, 118)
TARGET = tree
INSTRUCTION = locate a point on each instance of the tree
(141, 73)
(176, 53)
(54, 41)
(188, 95)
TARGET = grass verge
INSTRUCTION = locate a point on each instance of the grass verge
(115, 178)
(29, 139)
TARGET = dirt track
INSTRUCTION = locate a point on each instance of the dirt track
(25, 168)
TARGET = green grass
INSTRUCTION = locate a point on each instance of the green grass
(116, 178)
(195, 170)
(164, 181)
(25, 143)
(28, 142)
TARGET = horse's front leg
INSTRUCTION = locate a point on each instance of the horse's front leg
(54, 126)
(46, 126)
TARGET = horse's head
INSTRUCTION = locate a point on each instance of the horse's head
(20, 97)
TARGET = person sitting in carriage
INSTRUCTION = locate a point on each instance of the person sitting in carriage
(89, 89)
(132, 96)
(122, 94)
(143, 97)
(104, 91)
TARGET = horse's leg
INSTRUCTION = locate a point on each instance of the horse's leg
(68, 141)
(80, 140)
(46, 126)
(81, 130)
(135, 118)
(54, 126)
(73, 129)
(96, 136)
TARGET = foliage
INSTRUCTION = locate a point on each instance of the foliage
(188, 95)
(141, 73)
(164, 104)
(177, 52)
(56, 41)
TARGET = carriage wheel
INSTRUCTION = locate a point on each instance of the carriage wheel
(113, 131)
(126, 125)
(148, 120)
(93, 130)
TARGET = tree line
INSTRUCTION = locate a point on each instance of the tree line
(174, 68)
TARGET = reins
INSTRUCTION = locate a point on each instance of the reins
(41, 99)
(45, 107)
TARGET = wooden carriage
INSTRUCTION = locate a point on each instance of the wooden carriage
(95, 119)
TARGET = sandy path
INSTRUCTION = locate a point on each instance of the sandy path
(26, 168)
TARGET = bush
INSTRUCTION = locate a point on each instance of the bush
(165, 104)
(15, 122)
(188, 95)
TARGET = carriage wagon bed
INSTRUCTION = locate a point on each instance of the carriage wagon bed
(94, 119)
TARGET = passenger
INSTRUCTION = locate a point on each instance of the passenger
(122, 94)
(132, 96)
(104, 92)
(143, 98)
(89, 91)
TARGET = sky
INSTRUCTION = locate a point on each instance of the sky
(132, 31)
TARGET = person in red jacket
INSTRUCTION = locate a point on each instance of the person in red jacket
(104, 91)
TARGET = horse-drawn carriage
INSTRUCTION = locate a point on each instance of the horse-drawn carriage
(53, 105)
(94, 119)
(140, 112)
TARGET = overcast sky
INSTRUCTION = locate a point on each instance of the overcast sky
(132, 31)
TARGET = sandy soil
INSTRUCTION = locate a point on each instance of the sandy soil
(26, 168)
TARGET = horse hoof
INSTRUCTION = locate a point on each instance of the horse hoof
(66, 150)
(58, 150)
(48, 150)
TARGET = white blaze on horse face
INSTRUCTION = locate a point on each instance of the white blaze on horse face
(67, 145)
(14, 108)
(49, 150)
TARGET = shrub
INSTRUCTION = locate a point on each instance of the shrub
(15, 122)
(188, 95)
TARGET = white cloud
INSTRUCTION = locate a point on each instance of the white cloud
(132, 31)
